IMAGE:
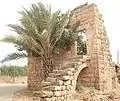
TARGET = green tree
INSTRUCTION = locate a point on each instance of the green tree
(41, 32)
(13, 71)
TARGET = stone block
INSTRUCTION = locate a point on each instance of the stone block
(69, 87)
(67, 82)
(57, 93)
(60, 82)
(57, 83)
(64, 92)
(54, 75)
(46, 94)
(66, 72)
(44, 84)
(46, 99)
(51, 99)
(65, 78)
(52, 88)
(58, 71)
(63, 88)
(59, 98)
(51, 79)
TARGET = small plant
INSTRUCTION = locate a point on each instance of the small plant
(81, 88)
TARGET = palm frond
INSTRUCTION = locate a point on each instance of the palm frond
(14, 56)
(24, 40)
(17, 28)
(9, 39)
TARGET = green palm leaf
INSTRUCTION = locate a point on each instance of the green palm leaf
(14, 56)
(17, 28)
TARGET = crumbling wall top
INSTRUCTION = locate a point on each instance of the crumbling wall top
(84, 6)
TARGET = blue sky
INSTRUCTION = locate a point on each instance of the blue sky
(108, 8)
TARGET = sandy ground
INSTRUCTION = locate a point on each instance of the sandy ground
(9, 80)
(7, 90)
(8, 87)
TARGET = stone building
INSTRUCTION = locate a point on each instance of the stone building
(93, 70)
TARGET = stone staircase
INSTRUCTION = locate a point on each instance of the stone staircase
(61, 83)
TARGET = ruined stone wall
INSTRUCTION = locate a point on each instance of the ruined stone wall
(100, 71)
(65, 54)
(35, 72)
(85, 15)
(105, 69)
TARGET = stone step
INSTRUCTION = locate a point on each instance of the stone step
(46, 94)
(58, 83)
(58, 71)
(67, 66)
(66, 72)
(51, 79)
(55, 81)
(36, 92)
(77, 60)
(54, 88)
(69, 69)
(44, 84)
(70, 65)
(54, 75)
(65, 78)
(64, 66)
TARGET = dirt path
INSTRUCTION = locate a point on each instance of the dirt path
(7, 90)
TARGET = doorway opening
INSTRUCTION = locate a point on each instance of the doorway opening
(83, 79)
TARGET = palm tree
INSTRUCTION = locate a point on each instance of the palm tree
(41, 33)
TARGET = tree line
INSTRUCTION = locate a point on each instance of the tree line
(13, 71)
